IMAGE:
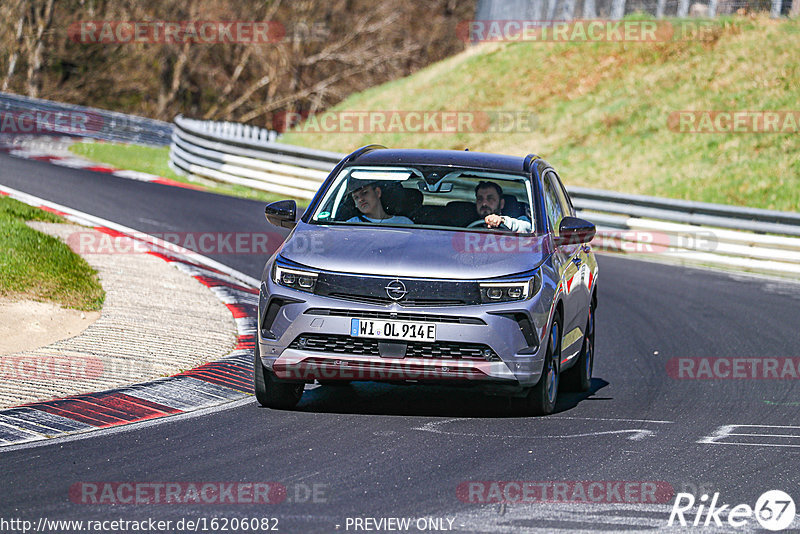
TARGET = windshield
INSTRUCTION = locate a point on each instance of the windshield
(430, 197)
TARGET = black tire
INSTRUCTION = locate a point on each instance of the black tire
(541, 398)
(579, 376)
(269, 391)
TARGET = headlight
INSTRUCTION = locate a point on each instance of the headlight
(293, 278)
(509, 291)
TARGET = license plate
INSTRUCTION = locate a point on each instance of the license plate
(402, 330)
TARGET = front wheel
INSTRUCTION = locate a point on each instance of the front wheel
(541, 398)
(269, 391)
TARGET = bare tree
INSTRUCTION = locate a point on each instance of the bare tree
(16, 44)
(331, 49)
(40, 16)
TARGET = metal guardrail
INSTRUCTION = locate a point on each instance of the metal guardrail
(22, 115)
(692, 232)
(249, 156)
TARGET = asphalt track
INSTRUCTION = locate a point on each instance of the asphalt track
(378, 451)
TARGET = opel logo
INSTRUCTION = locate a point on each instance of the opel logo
(396, 289)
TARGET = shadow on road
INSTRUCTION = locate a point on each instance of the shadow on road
(373, 398)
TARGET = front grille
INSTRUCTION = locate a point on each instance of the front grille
(396, 316)
(408, 303)
(420, 292)
(326, 343)
(448, 350)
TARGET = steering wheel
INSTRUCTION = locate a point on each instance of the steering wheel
(481, 222)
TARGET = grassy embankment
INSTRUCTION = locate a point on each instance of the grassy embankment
(602, 111)
(37, 266)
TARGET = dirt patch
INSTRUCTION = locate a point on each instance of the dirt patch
(27, 325)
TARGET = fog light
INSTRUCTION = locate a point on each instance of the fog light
(487, 353)
(302, 341)
(515, 292)
(494, 293)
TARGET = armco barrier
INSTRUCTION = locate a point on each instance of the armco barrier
(21, 113)
(742, 237)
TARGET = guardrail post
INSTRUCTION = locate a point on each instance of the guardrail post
(660, 8)
(712, 8)
(776, 8)
(683, 8)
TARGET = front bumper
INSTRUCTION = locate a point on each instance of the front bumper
(514, 361)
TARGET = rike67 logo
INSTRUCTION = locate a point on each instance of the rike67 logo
(774, 510)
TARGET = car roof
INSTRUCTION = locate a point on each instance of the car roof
(456, 158)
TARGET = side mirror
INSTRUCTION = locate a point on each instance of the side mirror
(282, 213)
(573, 230)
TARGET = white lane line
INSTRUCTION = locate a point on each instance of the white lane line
(729, 431)
(638, 434)
(608, 419)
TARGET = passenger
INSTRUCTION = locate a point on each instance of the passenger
(367, 197)
(489, 203)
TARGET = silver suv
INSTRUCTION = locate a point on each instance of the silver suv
(428, 266)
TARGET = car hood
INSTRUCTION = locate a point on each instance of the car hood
(413, 252)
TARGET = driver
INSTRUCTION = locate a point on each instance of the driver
(367, 197)
(489, 203)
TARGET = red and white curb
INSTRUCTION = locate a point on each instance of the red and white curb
(212, 384)
(40, 152)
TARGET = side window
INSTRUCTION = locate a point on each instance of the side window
(552, 202)
(566, 202)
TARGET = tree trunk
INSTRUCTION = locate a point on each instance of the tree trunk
(660, 9)
(551, 9)
(589, 9)
(567, 10)
(618, 9)
(167, 94)
(13, 56)
(40, 20)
